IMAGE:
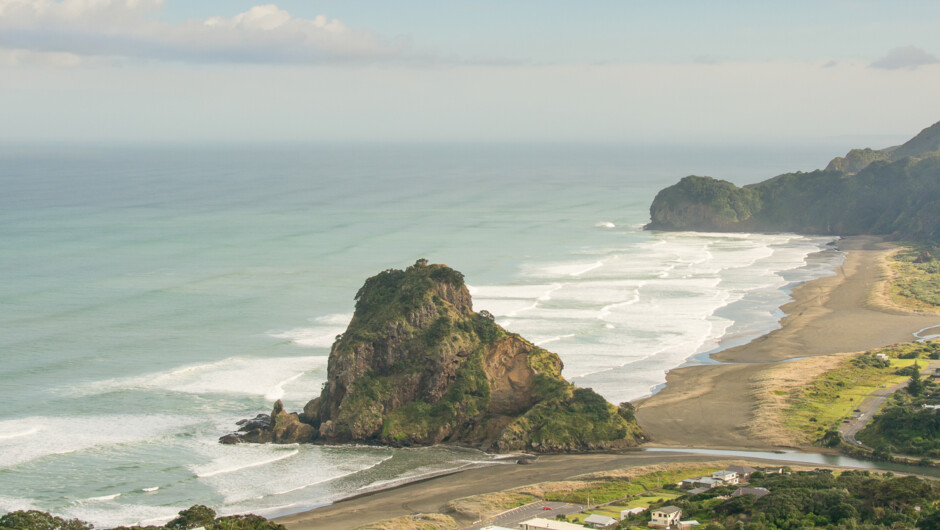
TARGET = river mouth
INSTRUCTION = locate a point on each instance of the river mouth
(800, 457)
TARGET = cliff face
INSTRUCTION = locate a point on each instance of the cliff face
(703, 203)
(893, 192)
(417, 366)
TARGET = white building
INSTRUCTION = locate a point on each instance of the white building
(744, 472)
(665, 517)
(726, 477)
(631, 511)
(599, 521)
(547, 524)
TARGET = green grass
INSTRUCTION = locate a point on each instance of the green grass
(613, 490)
(644, 501)
(658, 479)
(607, 491)
(916, 276)
(834, 395)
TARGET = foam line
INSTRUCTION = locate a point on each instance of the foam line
(247, 466)
(21, 434)
(277, 392)
(555, 339)
(330, 479)
(589, 268)
(103, 498)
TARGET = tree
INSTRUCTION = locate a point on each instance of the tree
(916, 386)
(244, 522)
(36, 520)
(193, 517)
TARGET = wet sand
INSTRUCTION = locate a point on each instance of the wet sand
(710, 406)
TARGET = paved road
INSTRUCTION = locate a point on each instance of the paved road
(872, 403)
(512, 518)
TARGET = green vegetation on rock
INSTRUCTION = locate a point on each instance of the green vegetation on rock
(704, 201)
(893, 192)
(418, 366)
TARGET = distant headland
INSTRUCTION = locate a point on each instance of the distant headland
(893, 192)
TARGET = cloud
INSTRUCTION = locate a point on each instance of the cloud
(129, 28)
(909, 57)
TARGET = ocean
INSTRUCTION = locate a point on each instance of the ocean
(154, 296)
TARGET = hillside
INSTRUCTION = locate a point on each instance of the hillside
(893, 192)
(417, 366)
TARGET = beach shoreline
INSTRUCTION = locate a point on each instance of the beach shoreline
(712, 405)
(700, 406)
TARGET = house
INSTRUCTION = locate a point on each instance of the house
(689, 524)
(665, 517)
(757, 492)
(599, 521)
(547, 524)
(707, 482)
(726, 477)
(688, 483)
(495, 528)
(624, 514)
(696, 491)
(882, 356)
(744, 472)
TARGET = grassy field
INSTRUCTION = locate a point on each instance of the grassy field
(612, 489)
(915, 272)
(834, 395)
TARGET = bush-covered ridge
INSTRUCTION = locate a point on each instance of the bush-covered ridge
(418, 366)
(891, 192)
(197, 516)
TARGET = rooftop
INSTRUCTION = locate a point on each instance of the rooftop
(599, 519)
(549, 524)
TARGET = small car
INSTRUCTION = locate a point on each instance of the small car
(546, 507)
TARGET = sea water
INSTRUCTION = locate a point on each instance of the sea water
(153, 297)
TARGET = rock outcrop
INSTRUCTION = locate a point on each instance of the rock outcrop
(893, 192)
(417, 366)
(280, 427)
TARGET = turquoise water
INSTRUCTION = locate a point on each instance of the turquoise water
(152, 297)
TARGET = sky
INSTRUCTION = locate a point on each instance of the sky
(611, 71)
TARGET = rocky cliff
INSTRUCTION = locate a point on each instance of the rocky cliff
(418, 366)
(893, 192)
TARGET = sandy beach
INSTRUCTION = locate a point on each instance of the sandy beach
(711, 406)
(700, 406)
